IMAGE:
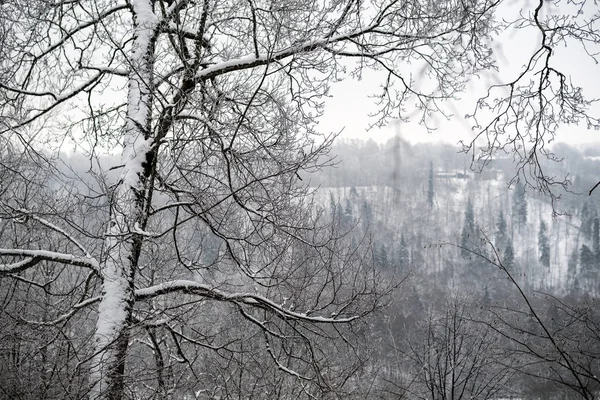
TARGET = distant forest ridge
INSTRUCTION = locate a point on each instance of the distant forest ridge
(412, 198)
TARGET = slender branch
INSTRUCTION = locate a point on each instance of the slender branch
(251, 299)
(34, 257)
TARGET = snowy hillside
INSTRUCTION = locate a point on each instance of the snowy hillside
(432, 226)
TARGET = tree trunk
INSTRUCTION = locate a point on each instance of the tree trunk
(123, 241)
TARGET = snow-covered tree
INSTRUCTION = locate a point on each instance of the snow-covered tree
(519, 206)
(452, 357)
(213, 108)
(403, 259)
(508, 257)
(467, 237)
(430, 191)
(543, 245)
(501, 230)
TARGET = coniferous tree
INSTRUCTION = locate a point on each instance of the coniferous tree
(572, 268)
(509, 256)
(353, 195)
(468, 231)
(382, 257)
(544, 247)
(333, 206)
(596, 240)
(587, 219)
(366, 214)
(588, 273)
(430, 193)
(403, 255)
(348, 209)
(501, 230)
(348, 215)
(519, 207)
(586, 259)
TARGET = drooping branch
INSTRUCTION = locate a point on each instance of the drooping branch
(34, 257)
(57, 229)
(250, 299)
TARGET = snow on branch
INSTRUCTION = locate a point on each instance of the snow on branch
(58, 100)
(55, 228)
(112, 71)
(250, 299)
(66, 36)
(27, 92)
(34, 257)
(74, 309)
(251, 61)
(183, 32)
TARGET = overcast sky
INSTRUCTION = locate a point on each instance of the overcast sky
(349, 106)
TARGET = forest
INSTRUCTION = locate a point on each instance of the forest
(175, 223)
(488, 295)
(508, 282)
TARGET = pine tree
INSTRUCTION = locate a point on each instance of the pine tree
(348, 210)
(333, 206)
(381, 257)
(430, 193)
(519, 208)
(572, 268)
(403, 255)
(596, 241)
(501, 230)
(353, 194)
(586, 259)
(588, 213)
(544, 247)
(509, 256)
(468, 231)
(348, 215)
(366, 214)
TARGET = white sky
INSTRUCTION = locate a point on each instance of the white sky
(349, 107)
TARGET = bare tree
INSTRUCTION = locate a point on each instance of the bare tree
(214, 105)
(558, 346)
(451, 356)
(523, 116)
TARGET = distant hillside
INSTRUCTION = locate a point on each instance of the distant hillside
(419, 195)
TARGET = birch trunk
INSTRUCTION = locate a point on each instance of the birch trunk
(122, 244)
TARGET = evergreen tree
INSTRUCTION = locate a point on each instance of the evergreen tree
(544, 247)
(333, 206)
(509, 256)
(366, 214)
(588, 273)
(383, 257)
(403, 255)
(348, 217)
(519, 207)
(586, 259)
(430, 192)
(353, 194)
(501, 230)
(588, 213)
(468, 231)
(348, 209)
(572, 268)
(596, 240)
